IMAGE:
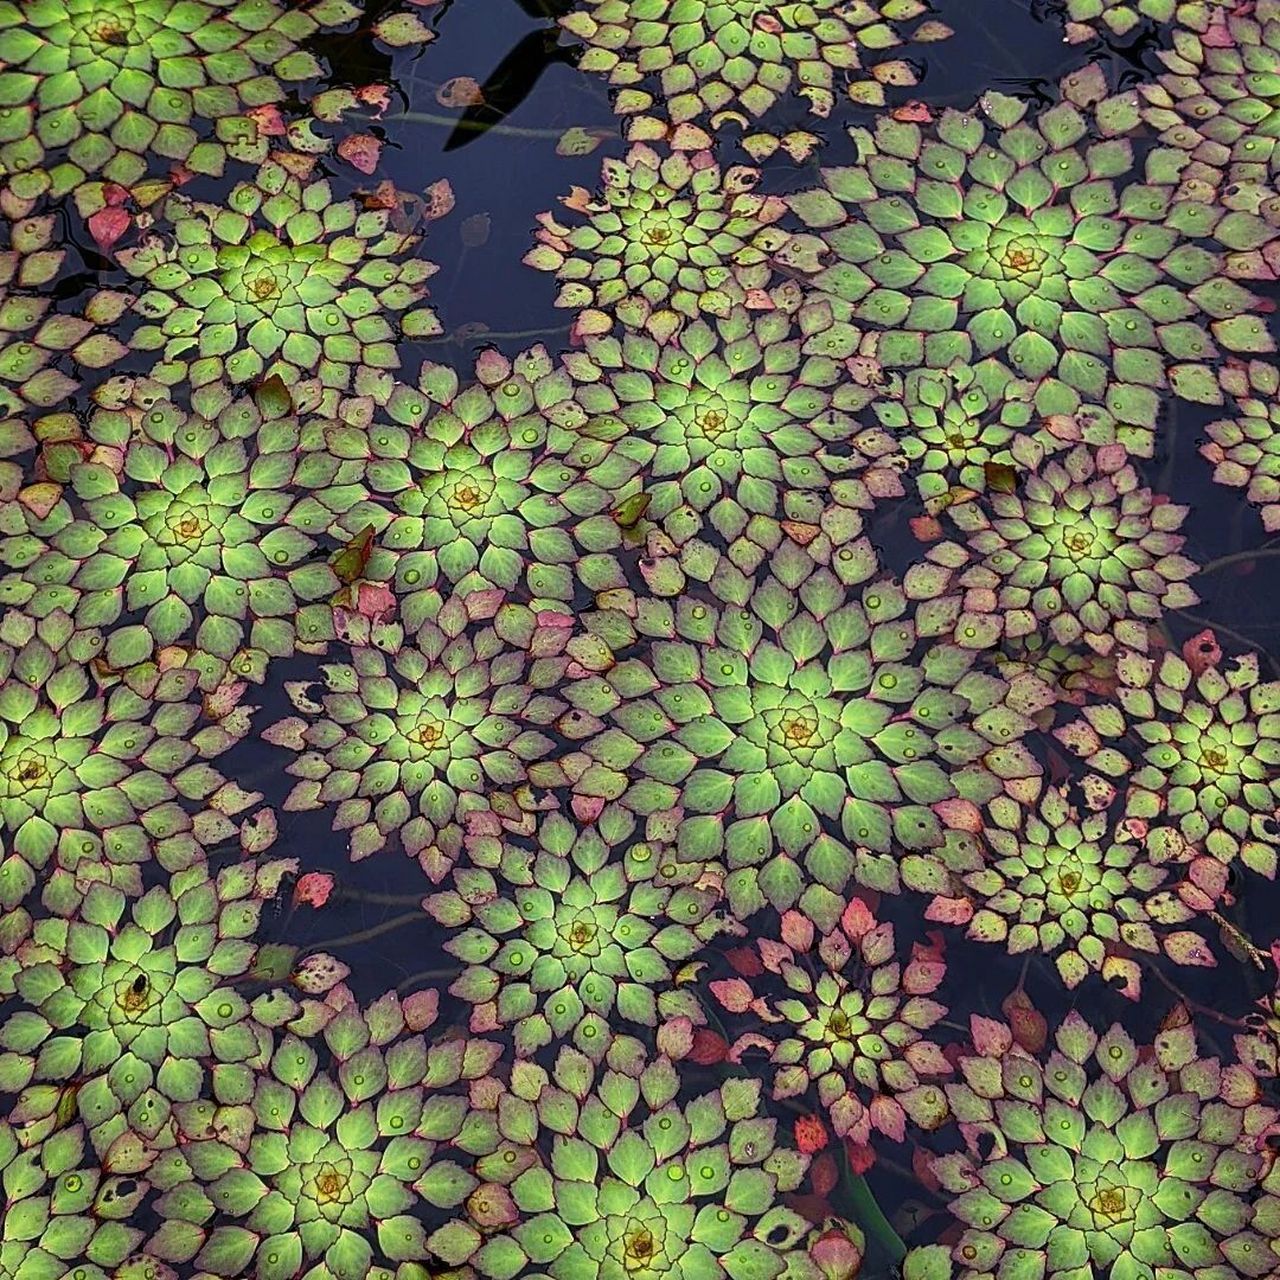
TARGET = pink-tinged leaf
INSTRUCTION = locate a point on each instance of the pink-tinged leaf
(1186, 947)
(923, 976)
(797, 931)
(856, 919)
(587, 808)
(460, 91)
(1028, 1025)
(914, 112)
(675, 1038)
(1202, 651)
(990, 1038)
(811, 1134)
(270, 123)
(1122, 975)
(734, 994)
(108, 225)
(748, 1041)
(959, 815)
(314, 889)
(362, 151)
(877, 946)
(774, 954)
(888, 1117)
(377, 96)
(440, 200)
(949, 911)
(421, 1009)
(318, 973)
(860, 1156)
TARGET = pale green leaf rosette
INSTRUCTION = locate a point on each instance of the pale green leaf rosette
(174, 532)
(1079, 549)
(91, 89)
(444, 477)
(777, 734)
(1075, 887)
(669, 238)
(583, 936)
(407, 745)
(637, 1185)
(999, 236)
(1110, 1161)
(284, 279)
(141, 1008)
(734, 59)
(1194, 749)
(99, 771)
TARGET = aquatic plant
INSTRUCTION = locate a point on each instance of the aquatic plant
(582, 941)
(1089, 18)
(282, 279)
(1195, 748)
(851, 1023)
(34, 337)
(998, 236)
(728, 57)
(444, 478)
(1216, 97)
(734, 417)
(1245, 447)
(76, 765)
(404, 743)
(839, 713)
(668, 238)
(1106, 1158)
(1072, 886)
(1079, 549)
(92, 89)
(955, 425)
(642, 1185)
(171, 530)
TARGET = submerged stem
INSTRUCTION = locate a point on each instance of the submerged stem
(373, 931)
(454, 122)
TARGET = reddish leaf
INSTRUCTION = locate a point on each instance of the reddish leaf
(361, 150)
(314, 889)
(1028, 1024)
(1202, 651)
(377, 96)
(811, 1134)
(268, 119)
(440, 200)
(708, 1048)
(824, 1174)
(461, 91)
(860, 1156)
(108, 225)
(745, 962)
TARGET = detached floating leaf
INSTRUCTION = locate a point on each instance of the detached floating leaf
(319, 973)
